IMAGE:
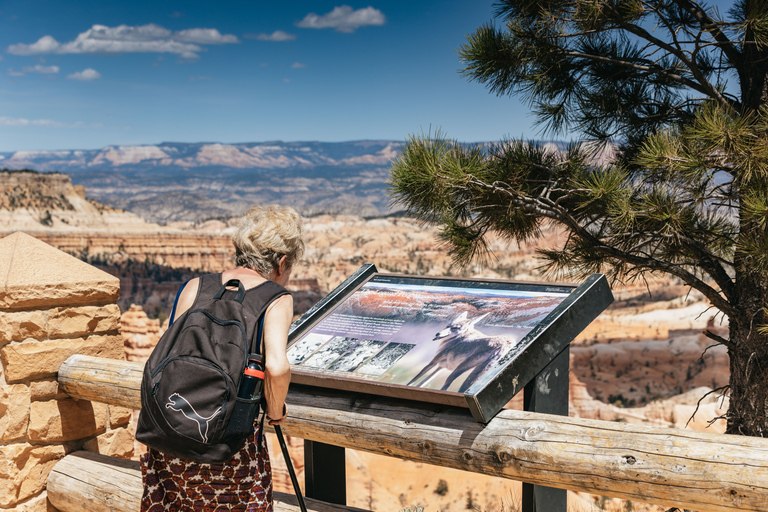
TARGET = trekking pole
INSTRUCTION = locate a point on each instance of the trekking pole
(288, 463)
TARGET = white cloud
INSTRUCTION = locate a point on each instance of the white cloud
(204, 36)
(45, 70)
(297, 65)
(149, 38)
(344, 19)
(17, 121)
(45, 44)
(22, 122)
(85, 75)
(277, 36)
(39, 68)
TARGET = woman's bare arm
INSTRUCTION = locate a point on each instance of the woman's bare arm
(277, 321)
(187, 298)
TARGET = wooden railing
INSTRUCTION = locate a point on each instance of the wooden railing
(89, 482)
(686, 469)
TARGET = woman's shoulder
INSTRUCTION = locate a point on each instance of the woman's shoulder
(281, 302)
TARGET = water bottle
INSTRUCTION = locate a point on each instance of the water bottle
(253, 378)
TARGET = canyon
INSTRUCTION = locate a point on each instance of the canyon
(644, 360)
(170, 181)
(174, 181)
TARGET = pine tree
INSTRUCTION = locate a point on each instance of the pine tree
(680, 91)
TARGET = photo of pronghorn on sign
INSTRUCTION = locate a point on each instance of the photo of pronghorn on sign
(429, 337)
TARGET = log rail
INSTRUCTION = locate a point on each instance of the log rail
(89, 482)
(693, 470)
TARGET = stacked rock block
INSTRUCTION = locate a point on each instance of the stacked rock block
(52, 306)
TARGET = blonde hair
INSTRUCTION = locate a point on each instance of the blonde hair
(264, 235)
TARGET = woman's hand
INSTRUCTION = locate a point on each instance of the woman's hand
(277, 421)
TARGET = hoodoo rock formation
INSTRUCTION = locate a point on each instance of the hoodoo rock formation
(140, 333)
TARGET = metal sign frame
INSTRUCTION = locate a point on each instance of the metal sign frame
(570, 310)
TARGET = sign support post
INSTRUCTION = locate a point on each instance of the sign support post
(547, 393)
(325, 474)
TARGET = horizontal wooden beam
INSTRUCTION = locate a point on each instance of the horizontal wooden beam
(89, 482)
(110, 381)
(686, 469)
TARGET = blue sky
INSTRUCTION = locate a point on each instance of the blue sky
(85, 74)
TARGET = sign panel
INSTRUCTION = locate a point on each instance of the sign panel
(438, 340)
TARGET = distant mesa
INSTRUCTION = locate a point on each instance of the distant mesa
(194, 182)
(31, 201)
(172, 182)
(253, 155)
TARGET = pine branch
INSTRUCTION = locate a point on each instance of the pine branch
(710, 26)
(704, 86)
(651, 70)
(542, 207)
(719, 339)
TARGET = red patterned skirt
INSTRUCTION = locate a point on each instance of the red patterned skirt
(242, 484)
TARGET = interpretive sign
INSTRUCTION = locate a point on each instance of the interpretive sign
(473, 343)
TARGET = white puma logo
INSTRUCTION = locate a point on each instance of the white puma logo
(179, 403)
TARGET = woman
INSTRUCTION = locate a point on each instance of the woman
(268, 242)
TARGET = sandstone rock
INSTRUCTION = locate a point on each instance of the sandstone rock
(16, 326)
(281, 479)
(140, 333)
(24, 471)
(33, 359)
(138, 448)
(115, 443)
(46, 389)
(39, 503)
(31, 201)
(58, 322)
(36, 275)
(638, 372)
(134, 320)
(83, 320)
(66, 420)
(119, 416)
(14, 411)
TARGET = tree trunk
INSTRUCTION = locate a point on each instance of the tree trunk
(753, 68)
(748, 351)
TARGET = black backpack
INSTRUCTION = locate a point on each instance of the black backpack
(189, 403)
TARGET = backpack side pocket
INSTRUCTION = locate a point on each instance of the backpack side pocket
(243, 415)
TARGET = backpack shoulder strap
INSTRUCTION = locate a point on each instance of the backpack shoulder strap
(258, 300)
(209, 285)
(175, 303)
(206, 281)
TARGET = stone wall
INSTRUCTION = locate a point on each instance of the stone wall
(52, 306)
